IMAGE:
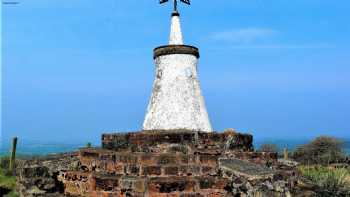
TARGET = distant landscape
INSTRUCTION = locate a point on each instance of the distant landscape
(31, 147)
(293, 143)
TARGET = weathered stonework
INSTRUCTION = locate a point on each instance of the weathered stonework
(39, 177)
(162, 164)
(158, 163)
(166, 141)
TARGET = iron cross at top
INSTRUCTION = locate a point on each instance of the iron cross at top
(188, 2)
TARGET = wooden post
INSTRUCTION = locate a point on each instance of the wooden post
(285, 153)
(13, 154)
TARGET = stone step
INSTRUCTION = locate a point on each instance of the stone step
(90, 155)
(150, 164)
(157, 170)
(148, 141)
(96, 184)
(235, 167)
(137, 163)
(262, 158)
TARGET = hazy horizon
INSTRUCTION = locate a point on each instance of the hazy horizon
(27, 147)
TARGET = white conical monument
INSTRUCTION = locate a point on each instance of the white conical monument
(176, 102)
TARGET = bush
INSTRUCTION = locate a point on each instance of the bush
(322, 150)
(7, 180)
(332, 182)
(12, 194)
(4, 162)
(268, 148)
(5, 166)
(88, 145)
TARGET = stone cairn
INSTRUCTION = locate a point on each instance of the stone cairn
(176, 154)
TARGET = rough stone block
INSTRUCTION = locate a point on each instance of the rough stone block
(209, 182)
(209, 170)
(255, 157)
(244, 168)
(136, 184)
(171, 170)
(171, 184)
(189, 170)
(127, 158)
(115, 194)
(151, 170)
(166, 159)
(192, 195)
(76, 188)
(106, 183)
(155, 194)
(188, 159)
(133, 169)
(211, 160)
(76, 183)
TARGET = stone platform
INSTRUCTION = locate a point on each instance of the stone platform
(165, 164)
(162, 164)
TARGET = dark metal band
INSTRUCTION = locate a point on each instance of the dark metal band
(175, 49)
(175, 13)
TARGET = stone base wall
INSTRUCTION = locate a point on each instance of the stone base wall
(82, 184)
(163, 141)
(162, 164)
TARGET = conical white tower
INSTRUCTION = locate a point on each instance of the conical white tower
(176, 102)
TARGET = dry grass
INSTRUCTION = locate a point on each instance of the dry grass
(331, 180)
(347, 179)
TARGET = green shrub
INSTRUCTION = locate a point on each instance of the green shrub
(12, 194)
(333, 182)
(7, 181)
(88, 145)
(4, 162)
(322, 150)
(268, 148)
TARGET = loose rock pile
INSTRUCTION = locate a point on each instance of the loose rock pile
(163, 164)
(39, 177)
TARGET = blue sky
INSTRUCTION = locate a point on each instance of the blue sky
(72, 70)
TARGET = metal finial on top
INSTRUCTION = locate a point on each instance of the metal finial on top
(188, 2)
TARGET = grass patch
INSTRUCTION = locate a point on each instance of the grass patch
(12, 194)
(7, 180)
(330, 180)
